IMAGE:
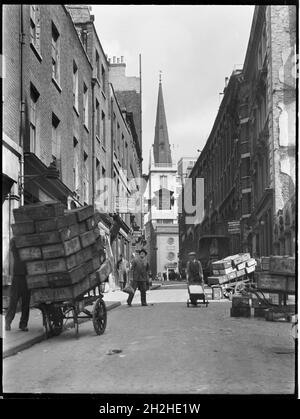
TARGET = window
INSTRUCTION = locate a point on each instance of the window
(85, 106)
(103, 78)
(118, 139)
(163, 181)
(56, 142)
(85, 178)
(83, 34)
(103, 127)
(75, 85)
(35, 26)
(98, 171)
(34, 96)
(98, 66)
(126, 155)
(76, 165)
(123, 150)
(55, 54)
(97, 128)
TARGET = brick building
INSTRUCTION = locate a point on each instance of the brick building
(268, 116)
(248, 162)
(44, 128)
(57, 130)
(219, 166)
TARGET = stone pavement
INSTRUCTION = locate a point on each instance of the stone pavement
(15, 340)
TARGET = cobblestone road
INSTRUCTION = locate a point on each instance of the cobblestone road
(165, 348)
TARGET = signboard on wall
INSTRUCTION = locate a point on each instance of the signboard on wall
(234, 227)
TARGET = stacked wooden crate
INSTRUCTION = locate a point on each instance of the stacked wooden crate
(231, 268)
(63, 250)
(278, 274)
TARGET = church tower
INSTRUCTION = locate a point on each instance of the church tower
(161, 147)
(161, 225)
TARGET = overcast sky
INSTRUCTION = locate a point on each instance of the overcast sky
(194, 46)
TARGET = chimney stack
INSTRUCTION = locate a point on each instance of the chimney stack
(118, 60)
(122, 57)
(114, 59)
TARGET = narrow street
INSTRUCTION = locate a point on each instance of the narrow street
(163, 348)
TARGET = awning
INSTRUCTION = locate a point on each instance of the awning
(33, 166)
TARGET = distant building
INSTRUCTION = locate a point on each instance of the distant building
(161, 224)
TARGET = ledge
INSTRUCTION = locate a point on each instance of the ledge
(36, 52)
(76, 111)
(56, 85)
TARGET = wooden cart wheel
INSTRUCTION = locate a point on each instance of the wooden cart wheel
(99, 316)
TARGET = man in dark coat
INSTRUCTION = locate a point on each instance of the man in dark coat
(140, 277)
(18, 291)
(194, 273)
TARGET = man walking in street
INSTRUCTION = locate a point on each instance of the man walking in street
(194, 273)
(140, 277)
(18, 291)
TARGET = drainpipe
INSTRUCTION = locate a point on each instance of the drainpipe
(93, 143)
(22, 107)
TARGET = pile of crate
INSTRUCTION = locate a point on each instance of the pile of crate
(62, 250)
(231, 268)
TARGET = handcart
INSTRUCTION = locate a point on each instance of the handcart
(57, 314)
(196, 295)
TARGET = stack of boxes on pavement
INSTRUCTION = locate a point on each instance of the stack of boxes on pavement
(232, 269)
(276, 274)
(277, 277)
(62, 250)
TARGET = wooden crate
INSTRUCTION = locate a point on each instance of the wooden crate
(21, 228)
(217, 293)
(273, 282)
(36, 267)
(39, 211)
(72, 246)
(53, 251)
(250, 269)
(221, 264)
(241, 301)
(38, 239)
(84, 255)
(37, 281)
(88, 238)
(82, 213)
(69, 232)
(240, 312)
(30, 253)
(282, 265)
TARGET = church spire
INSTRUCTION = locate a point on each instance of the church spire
(161, 148)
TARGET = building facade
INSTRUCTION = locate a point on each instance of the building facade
(58, 136)
(248, 162)
(161, 220)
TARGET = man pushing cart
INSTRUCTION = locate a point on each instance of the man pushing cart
(195, 282)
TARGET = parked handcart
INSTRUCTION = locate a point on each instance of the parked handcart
(196, 295)
(56, 314)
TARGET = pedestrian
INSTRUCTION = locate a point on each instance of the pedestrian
(122, 271)
(140, 277)
(194, 273)
(18, 291)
